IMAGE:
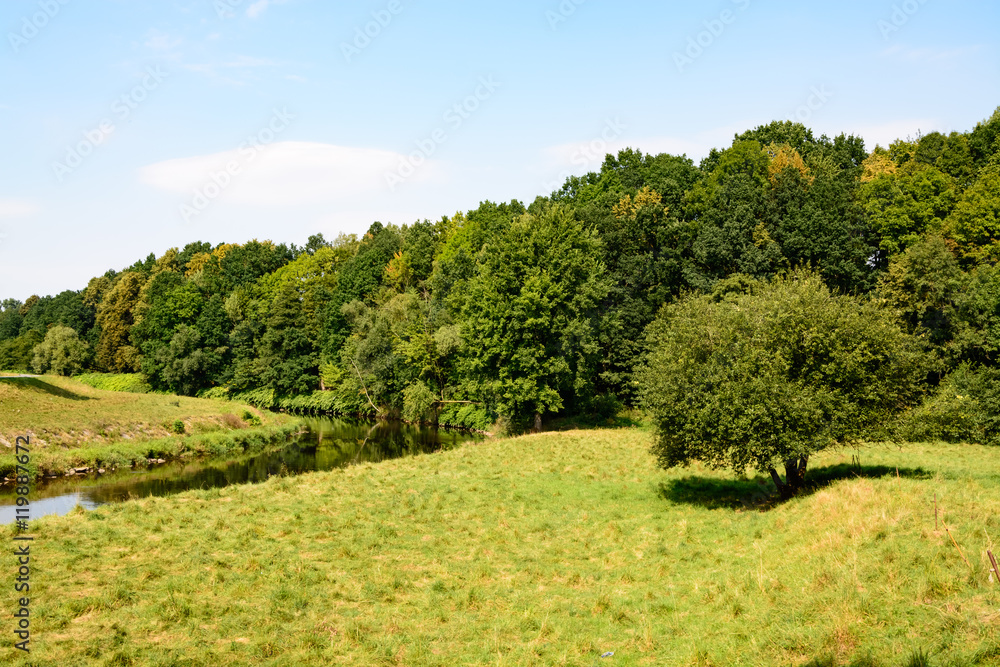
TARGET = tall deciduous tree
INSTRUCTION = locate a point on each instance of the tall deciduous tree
(924, 284)
(288, 362)
(531, 310)
(115, 316)
(975, 223)
(904, 198)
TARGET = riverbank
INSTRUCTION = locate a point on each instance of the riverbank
(325, 444)
(553, 548)
(71, 425)
(467, 417)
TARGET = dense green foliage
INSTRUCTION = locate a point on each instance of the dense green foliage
(750, 379)
(512, 313)
(62, 352)
(964, 408)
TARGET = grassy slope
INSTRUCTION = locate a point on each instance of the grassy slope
(64, 412)
(70, 423)
(546, 549)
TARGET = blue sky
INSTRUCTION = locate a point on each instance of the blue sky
(132, 126)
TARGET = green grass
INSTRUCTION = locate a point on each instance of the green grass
(74, 424)
(548, 549)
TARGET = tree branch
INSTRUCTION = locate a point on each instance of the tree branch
(364, 388)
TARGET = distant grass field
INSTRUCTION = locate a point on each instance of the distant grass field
(550, 549)
(70, 422)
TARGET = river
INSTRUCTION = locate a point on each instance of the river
(328, 444)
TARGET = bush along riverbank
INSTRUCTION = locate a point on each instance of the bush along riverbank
(465, 416)
(50, 463)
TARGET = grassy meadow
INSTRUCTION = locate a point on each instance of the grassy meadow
(548, 549)
(74, 424)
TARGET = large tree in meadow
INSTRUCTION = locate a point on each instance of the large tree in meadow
(769, 376)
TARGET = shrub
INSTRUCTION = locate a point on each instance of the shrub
(766, 377)
(964, 408)
(62, 352)
(232, 421)
(177, 427)
(214, 392)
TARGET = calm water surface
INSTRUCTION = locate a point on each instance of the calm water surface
(329, 443)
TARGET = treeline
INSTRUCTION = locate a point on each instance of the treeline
(515, 312)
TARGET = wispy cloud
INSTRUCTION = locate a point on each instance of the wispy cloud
(259, 7)
(161, 41)
(233, 71)
(930, 55)
(286, 173)
(17, 208)
(296, 78)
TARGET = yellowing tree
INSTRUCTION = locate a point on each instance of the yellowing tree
(783, 157)
(115, 316)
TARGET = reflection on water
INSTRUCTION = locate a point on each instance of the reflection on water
(329, 443)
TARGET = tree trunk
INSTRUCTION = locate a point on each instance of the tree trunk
(795, 475)
(783, 489)
(538, 422)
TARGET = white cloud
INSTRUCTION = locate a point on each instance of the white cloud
(259, 7)
(240, 65)
(296, 78)
(16, 208)
(254, 10)
(930, 55)
(287, 173)
(161, 41)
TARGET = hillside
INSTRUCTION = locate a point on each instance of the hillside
(71, 423)
(544, 549)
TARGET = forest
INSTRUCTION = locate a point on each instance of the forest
(515, 314)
